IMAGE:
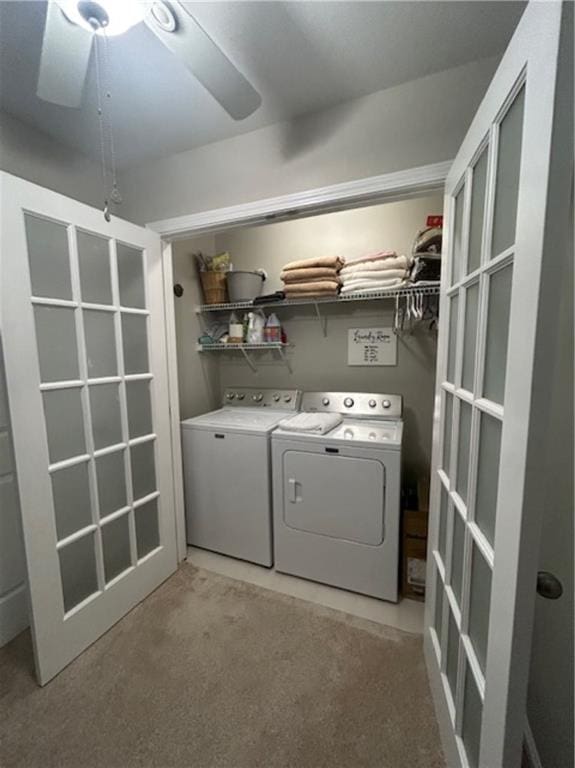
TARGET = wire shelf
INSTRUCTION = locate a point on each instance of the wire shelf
(425, 290)
(224, 347)
(246, 348)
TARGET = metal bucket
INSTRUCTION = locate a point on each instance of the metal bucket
(244, 286)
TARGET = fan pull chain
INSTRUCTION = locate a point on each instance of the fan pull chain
(106, 128)
(115, 194)
(101, 127)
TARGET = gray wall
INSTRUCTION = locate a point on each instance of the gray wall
(198, 375)
(34, 156)
(550, 703)
(317, 362)
(417, 123)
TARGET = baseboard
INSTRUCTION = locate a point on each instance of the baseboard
(13, 613)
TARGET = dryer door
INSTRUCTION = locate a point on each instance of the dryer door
(342, 497)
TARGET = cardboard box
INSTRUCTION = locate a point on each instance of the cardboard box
(414, 553)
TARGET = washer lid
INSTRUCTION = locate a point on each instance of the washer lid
(237, 420)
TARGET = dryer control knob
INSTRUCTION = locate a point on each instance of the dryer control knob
(372, 403)
(386, 404)
(230, 395)
(287, 398)
(241, 395)
(276, 398)
(325, 401)
(348, 402)
(259, 397)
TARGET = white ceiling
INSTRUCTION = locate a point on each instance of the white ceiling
(301, 56)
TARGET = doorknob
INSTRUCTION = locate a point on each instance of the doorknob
(549, 586)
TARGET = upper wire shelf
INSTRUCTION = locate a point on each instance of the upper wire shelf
(425, 290)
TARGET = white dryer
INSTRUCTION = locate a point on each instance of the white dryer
(337, 495)
(226, 455)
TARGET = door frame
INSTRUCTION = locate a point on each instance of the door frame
(372, 190)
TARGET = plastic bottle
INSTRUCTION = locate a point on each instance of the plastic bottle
(236, 331)
(256, 325)
(273, 330)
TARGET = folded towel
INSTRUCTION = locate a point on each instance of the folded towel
(329, 286)
(389, 262)
(311, 273)
(372, 286)
(335, 262)
(316, 423)
(379, 256)
(292, 283)
(379, 274)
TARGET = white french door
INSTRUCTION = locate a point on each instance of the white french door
(83, 331)
(484, 520)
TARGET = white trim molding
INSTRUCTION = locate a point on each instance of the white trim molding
(413, 181)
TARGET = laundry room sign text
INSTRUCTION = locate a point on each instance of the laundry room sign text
(371, 346)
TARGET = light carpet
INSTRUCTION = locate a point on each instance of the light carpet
(210, 672)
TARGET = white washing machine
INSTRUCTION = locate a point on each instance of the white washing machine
(226, 455)
(337, 495)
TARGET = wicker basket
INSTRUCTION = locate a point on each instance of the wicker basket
(214, 287)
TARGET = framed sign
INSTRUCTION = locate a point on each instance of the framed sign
(371, 346)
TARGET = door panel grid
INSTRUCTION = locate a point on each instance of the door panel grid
(81, 344)
(94, 548)
(470, 432)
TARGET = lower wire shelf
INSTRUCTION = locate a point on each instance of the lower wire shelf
(279, 347)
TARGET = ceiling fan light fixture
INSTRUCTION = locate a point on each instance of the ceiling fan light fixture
(112, 17)
(163, 16)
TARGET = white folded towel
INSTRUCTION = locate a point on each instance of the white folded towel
(389, 262)
(377, 256)
(380, 274)
(317, 423)
(372, 286)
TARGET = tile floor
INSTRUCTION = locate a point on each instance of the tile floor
(406, 615)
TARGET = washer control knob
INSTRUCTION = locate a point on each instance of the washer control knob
(241, 395)
(259, 397)
(230, 395)
(276, 398)
(348, 402)
(325, 401)
(287, 398)
(372, 403)
(386, 404)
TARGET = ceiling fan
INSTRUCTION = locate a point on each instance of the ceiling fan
(69, 34)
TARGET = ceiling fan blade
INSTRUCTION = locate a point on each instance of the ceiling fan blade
(189, 42)
(64, 62)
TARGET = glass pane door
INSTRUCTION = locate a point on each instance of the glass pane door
(478, 298)
(478, 373)
(93, 293)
